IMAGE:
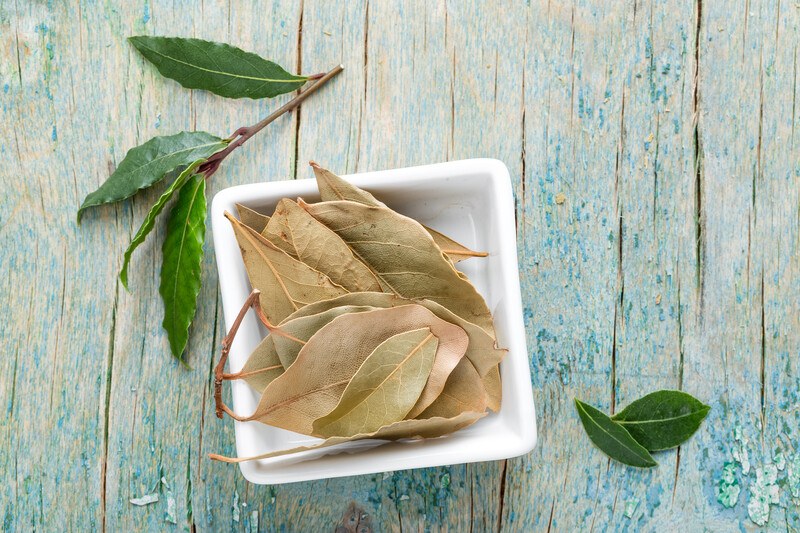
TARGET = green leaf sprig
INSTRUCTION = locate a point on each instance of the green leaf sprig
(190, 157)
(658, 421)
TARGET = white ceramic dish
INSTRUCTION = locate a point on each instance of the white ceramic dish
(471, 201)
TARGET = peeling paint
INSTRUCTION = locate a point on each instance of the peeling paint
(740, 453)
(728, 487)
(763, 493)
(630, 507)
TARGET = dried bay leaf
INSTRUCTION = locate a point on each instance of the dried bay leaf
(249, 217)
(428, 428)
(463, 392)
(403, 256)
(385, 387)
(312, 386)
(286, 283)
(454, 250)
(332, 187)
(304, 328)
(303, 237)
(481, 351)
(262, 366)
(494, 388)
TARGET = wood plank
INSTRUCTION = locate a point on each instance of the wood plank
(657, 215)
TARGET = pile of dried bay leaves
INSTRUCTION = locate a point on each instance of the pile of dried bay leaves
(373, 332)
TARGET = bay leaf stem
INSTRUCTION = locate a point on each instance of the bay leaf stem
(241, 135)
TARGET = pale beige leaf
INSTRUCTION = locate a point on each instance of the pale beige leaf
(303, 237)
(494, 388)
(262, 366)
(428, 428)
(286, 284)
(252, 218)
(453, 249)
(482, 350)
(385, 387)
(463, 391)
(313, 385)
(403, 256)
(332, 187)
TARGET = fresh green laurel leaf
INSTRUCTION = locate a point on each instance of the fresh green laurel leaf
(217, 67)
(182, 258)
(663, 419)
(150, 219)
(147, 164)
(613, 439)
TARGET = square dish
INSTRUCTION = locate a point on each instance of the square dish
(470, 201)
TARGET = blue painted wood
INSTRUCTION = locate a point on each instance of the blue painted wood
(657, 179)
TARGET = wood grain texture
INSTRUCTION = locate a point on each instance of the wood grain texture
(656, 169)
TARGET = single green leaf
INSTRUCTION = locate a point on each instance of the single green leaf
(286, 284)
(217, 67)
(613, 439)
(385, 387)
(148, 163)
(403, 256)
(182, 259)
(150, 219)
(662, 419)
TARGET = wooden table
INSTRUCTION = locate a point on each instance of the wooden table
(656, 170)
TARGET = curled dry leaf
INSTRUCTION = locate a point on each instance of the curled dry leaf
(428, 428)
(303, 237)
(482, 350)
(251, 218)
(403, 256)
(332, 187)
(286, 283)
(385, 387)
(312, 386)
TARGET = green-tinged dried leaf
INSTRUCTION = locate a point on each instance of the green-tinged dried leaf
(303, 237)
(148, 163)
(403, 256)
(262, 366)
(304, 328)
(385, 387)
(312, 386)
(463, 392)
(405, 429)
(286, 284)
(613, 439)
(251, 218)
(275, 352)
(482, 351)
(493, 388)
(332, 187)
(181, 266)
(454, 250)
(662, 419)
(150, 219)
(217, 67)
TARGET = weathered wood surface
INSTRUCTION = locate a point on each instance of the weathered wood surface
(657, 177)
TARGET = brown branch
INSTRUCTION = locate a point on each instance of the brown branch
(241, 135)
